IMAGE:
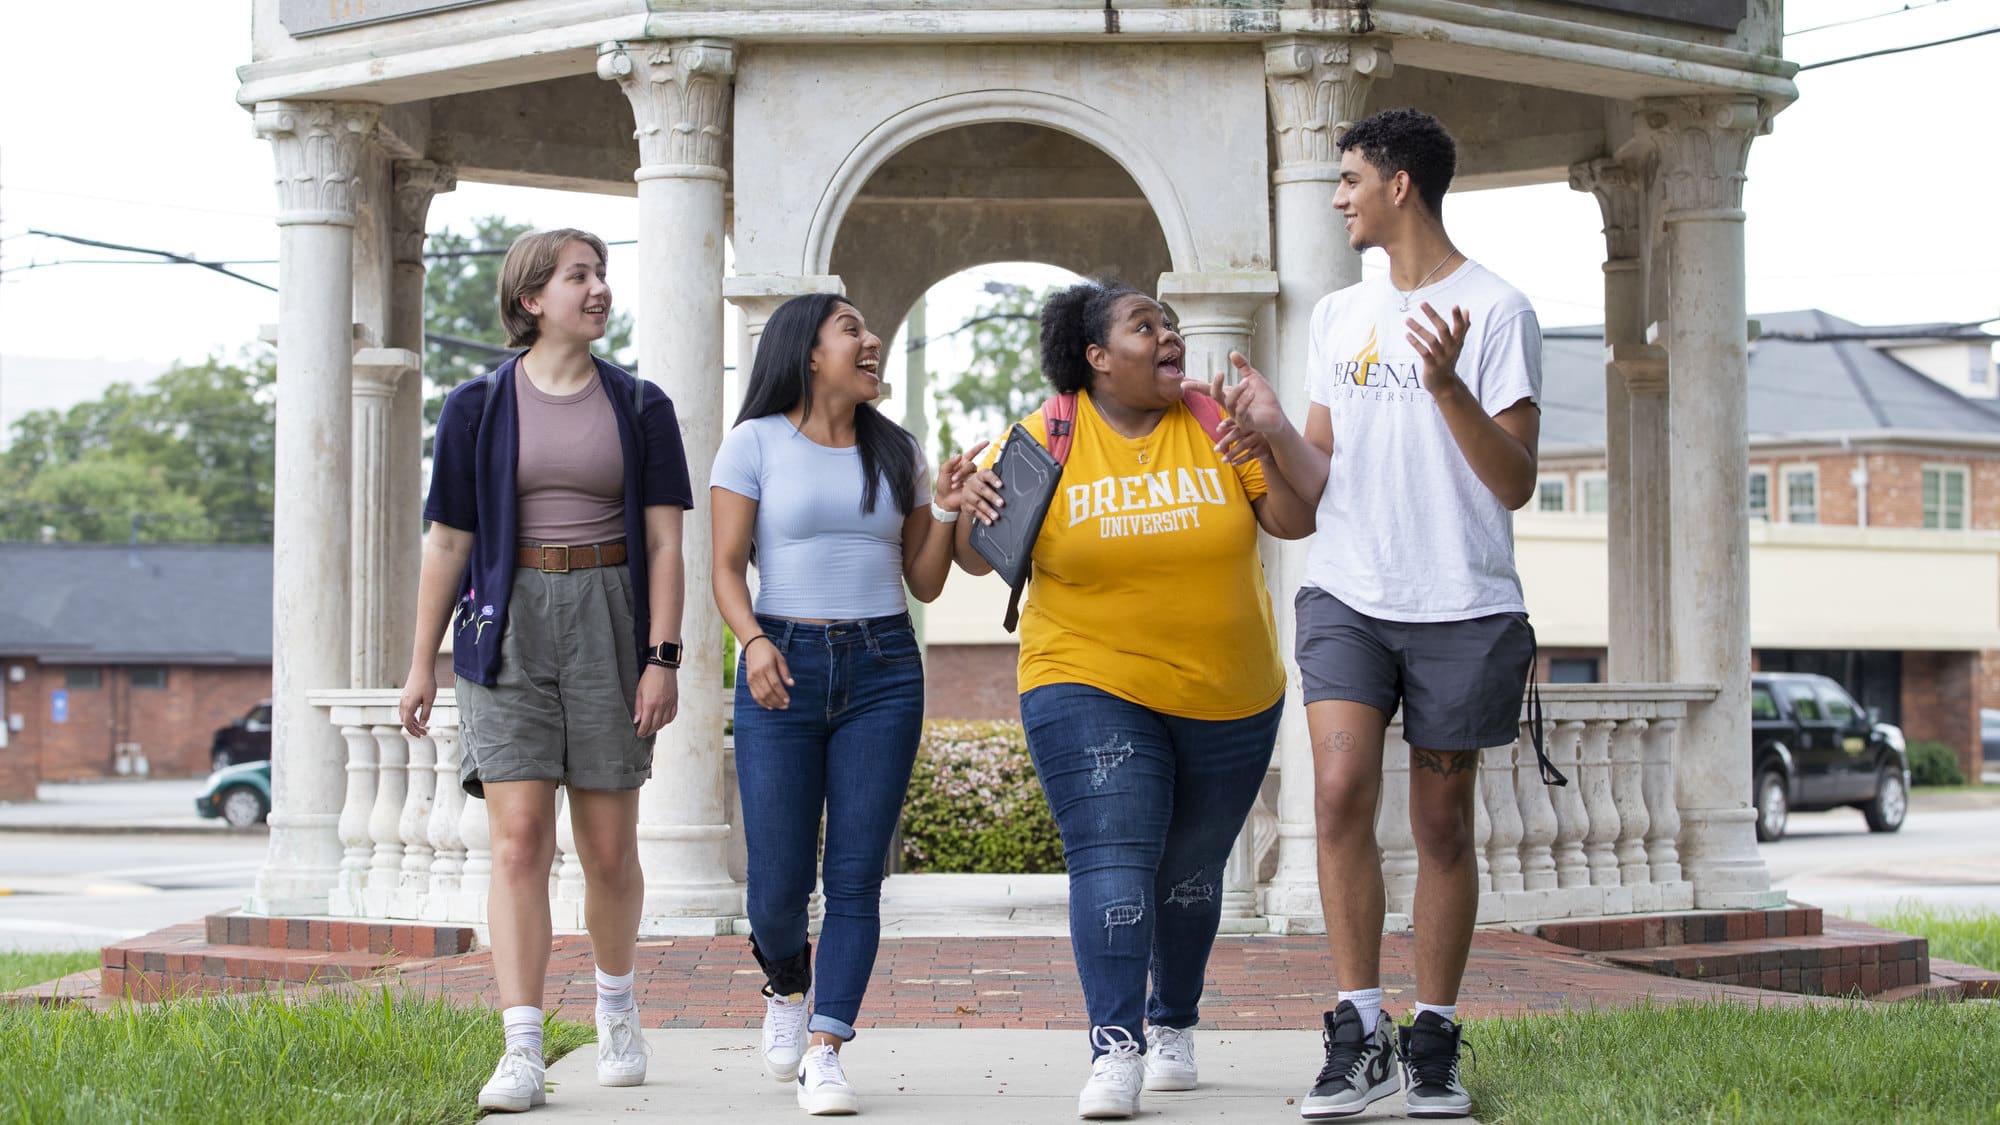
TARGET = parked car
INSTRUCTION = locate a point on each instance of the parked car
(240, 795)
(247, 739)
(1989, 734)
(1813, 748)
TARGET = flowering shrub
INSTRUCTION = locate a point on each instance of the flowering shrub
(975, 804)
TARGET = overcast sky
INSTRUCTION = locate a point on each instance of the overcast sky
(1873, 198)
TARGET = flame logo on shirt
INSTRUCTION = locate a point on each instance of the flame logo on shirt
(1369, 355)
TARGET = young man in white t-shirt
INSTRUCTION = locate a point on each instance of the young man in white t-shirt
(1420, 438)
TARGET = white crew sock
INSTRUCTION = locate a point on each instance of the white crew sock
(614, 994)
(1368, 1002)
(523, 1025)
(1448, 1011)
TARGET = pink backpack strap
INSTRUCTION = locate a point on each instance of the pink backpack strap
(1059, 416)
(1206, 410)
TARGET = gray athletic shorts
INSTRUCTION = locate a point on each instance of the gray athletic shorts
(560, 708)
(1459, 683)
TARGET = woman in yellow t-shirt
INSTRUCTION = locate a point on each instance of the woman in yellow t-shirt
(1150, 680)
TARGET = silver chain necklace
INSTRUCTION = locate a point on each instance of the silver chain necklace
(1427, 278)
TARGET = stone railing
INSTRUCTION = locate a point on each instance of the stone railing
(416, 847)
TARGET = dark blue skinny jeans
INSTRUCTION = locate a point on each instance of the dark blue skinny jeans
(845, 745)
(1149, 806)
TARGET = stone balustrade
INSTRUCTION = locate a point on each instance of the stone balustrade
(415, 847)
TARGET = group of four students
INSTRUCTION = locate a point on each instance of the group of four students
(1150, 678)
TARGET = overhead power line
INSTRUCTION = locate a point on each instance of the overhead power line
(1899, 50)
(1864, 19)
(167, 254)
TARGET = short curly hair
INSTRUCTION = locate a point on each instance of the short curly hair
(1072, 320)
(1408, 140)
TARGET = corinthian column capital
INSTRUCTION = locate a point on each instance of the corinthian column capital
(416, 183)
(1621, 194)
(1318, 86)
(1703, 145)
(318, 147)
(680, 93)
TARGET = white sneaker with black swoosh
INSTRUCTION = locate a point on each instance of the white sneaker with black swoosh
(1360, 1068)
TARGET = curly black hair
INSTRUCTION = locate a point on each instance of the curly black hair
(1072, 320)
(1408, 140)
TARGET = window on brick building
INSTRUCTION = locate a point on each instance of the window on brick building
(1595, 492)
(1760, 494)
(1944, 497)
(1552, 494)
(1802, 495)
(149, 676)
(1572, 670)
(81, 678)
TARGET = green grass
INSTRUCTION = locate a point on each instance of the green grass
(322, 1058)
(19, 970)
(1970, 936)
(1717, 1062)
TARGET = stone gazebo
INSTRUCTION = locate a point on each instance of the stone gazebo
(1187, 146)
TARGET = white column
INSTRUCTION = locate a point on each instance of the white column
(415, 182)
(377, 654)
(1317, 88)
(1216, 312)
(680, 92)
(1703, 144)
(1635, 434)
(757, 296)
(317, 146)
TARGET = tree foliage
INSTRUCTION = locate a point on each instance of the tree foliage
(1003, 382)
(188, 456)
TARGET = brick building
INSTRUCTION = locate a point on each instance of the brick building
(116, 658)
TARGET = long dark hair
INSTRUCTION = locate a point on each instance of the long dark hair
(781, 378)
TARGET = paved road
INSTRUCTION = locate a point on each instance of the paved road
(1945, 856)
(69, 891)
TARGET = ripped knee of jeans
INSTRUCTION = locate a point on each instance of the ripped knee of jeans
(1192, 891)
(1120, 914)
(1107, 757)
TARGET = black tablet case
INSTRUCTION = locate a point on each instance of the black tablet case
(1028, 479)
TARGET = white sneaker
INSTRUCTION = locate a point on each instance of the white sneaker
(518, 1083)
(621, 1048)
(823, 1088)
(785, 1033)
(1170, 1058)
(1115, 1077)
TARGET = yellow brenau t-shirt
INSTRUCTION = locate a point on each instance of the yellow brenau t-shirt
(1146, 581)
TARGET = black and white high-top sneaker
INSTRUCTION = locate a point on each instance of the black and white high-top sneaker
(1429, 1049)
(1360, 1068)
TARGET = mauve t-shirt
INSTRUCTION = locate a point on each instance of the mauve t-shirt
(570, 470)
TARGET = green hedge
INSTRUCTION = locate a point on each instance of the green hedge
(975, 804)
(1933, 763)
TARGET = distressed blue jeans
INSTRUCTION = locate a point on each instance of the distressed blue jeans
(1149, 806)
(845, 744)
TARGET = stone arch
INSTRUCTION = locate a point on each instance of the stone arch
(1051, 111)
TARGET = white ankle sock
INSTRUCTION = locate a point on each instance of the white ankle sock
(1448, 1011)
(523, 1025)
(614, 994)
(1368, 1002)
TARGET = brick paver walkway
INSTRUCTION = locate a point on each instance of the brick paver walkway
(1030, 982)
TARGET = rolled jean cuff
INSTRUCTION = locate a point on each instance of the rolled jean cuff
(830, 1026)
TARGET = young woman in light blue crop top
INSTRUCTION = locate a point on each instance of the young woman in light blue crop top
(835, 503)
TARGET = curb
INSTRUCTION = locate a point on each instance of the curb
(161, 829)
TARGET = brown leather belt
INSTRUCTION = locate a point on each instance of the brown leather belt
(554, 558)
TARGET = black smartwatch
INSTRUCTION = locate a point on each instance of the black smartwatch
(666, 654)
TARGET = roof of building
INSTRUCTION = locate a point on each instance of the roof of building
(148, 603)
(1831, 382)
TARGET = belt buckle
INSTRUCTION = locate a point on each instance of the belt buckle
(548, 569)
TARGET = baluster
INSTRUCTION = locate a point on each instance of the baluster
(1239, 874)
(447, 807)
(556, 861)
(569, 865)
(1503, 813)
(1538, 820)
(416, 824)
(1601, 838)
(392, 782)
(1662, 809)
(1572, 822)
(1628, 793)
(1482, 831)
(357, 845)
(477, 878)
(1392, 825)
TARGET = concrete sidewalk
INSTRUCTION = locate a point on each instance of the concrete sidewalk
(122, 805)
(970, 1077)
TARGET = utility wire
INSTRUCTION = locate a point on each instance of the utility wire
(168, 254)
(1864, 19)
(1899, 50)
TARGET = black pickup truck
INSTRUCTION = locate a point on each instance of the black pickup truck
(1813, 748)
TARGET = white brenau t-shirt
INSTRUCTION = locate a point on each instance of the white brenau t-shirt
(1406, 530)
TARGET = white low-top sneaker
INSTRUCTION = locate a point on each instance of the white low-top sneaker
(518, 1083)
(1170, 1058)
(1115, 1076)
(785, 1033)
(823, 1088)
(622, 1049)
